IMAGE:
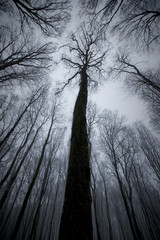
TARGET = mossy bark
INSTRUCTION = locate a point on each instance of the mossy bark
(76, 221)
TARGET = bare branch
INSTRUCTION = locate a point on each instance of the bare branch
(21, 60)
(66, 83)
(140, 19)
(85, 53)
(49, 16)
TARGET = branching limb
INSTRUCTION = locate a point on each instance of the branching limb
(66, 83)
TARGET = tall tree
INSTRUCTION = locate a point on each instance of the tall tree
(76, 221)
(36, 172)
(149, 144)
(118, 144)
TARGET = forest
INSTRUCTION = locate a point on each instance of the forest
(91, 174)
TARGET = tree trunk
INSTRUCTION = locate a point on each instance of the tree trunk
(76, 221)
(25, 201)
(136, 232)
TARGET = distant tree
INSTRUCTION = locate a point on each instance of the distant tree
(107, 200)
(150, 147)
(134, 19)
(145, 83)
(37, 170)
(21, 61)
(95, 205)
(48, 16)
(118, 143)
(50, 159)
(140, 20)
(17, 162)
(147, 193)
(76, 222)
(92, 119)
(7, 117)
(34, 97)
(103, 10)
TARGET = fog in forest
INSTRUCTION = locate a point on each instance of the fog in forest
(79, 120)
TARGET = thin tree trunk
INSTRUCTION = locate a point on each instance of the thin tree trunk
(136, 235)
(95, 208)
(107, 205)
(24, 205)
(6, 221)
(38, 209)
(13, 177)
(53, 210)
(33, 99)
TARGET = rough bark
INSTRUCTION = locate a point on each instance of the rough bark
(76, 222)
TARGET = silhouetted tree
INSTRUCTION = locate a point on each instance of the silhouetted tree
(150, 147)
(21, 61)
(34, 97)
(36, 172)
(140, 20)
(19, 158)
(76, 222)
(118, 144)
(105, 10)
(145, 83)
(134, 19)
(49, 16)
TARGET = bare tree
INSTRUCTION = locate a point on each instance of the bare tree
(7, 117)
(19, 157)
(108, 203)
(21, 61)
(105, 11)
(50, 160)
(145, 83)
(150, 147)
(132, 18)
(34, 97)
(147, 193)
(118, 144)
(48, 16)
(138, 79)
(77, 205)
(140, 20)
(37, 169)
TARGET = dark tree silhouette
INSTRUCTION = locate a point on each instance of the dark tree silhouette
(140, 20)
(15, 167)
(117, 141)
(150, 147)
(35, 96)
(76, 222)
(146, 83)
(139, 79)
(134, 19)
(106, 10)
(35, 175)
(21, 60)
(49, 16)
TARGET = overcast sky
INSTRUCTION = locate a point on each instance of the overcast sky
(111, 94)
